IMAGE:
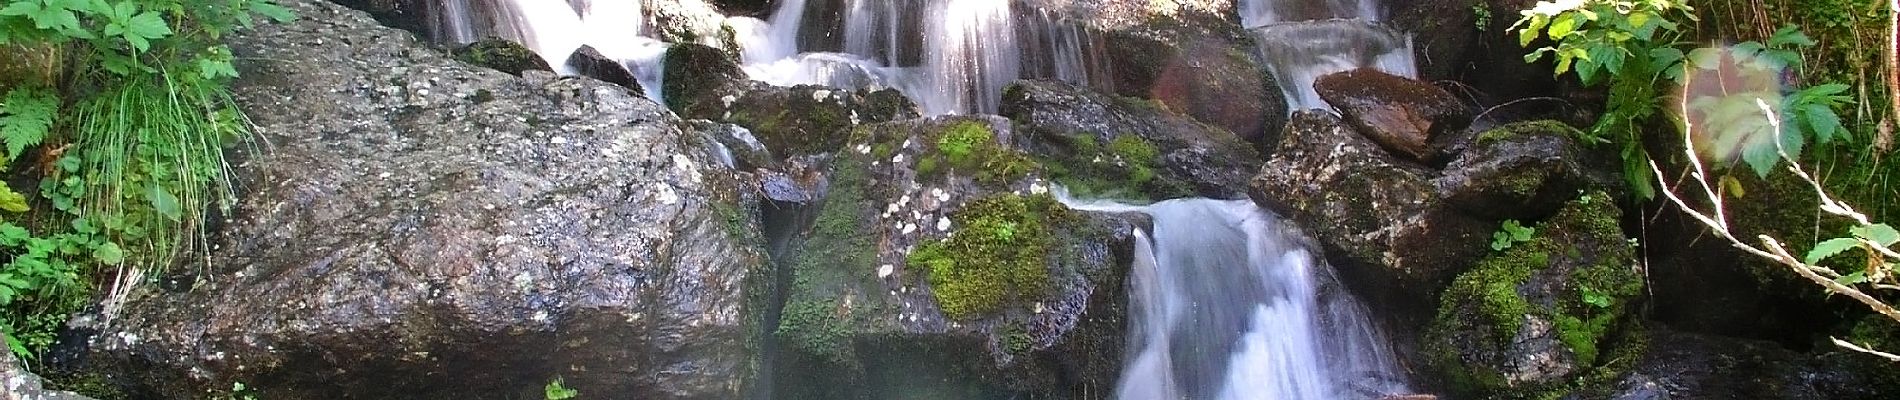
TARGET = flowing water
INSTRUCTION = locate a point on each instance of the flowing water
(1302, 40)
(1227, 303)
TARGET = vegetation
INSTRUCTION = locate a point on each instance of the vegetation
(971, 147)
(999, 255)
(127, 145)
(557, 390)
(1637, 49)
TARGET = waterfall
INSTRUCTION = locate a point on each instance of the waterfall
(1302, 40)
(1227, 303)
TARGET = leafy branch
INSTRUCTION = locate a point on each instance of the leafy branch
(1874, 239)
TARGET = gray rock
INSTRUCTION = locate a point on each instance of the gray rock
(503, 55)
(703, 83)
(1681, 365)
(1084, 135)
(20, 384)
(420, 227)
(1526, 171)
(588, 62)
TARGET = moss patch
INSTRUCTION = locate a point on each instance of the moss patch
(1574, 272)
(971, 148)
(1527, 127)
(502, 55)
(998, 255)
(1127, 167)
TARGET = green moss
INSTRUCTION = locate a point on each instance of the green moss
(1586, 239)
(91, 385)
(1127, 167)
(502, 55)
(1527, 127)
(817, 328)
(998, 255)
(835, 260)
(1015, 340)
(972, 148)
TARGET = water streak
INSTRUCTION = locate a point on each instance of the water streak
(1302, 40)
(1227, 303)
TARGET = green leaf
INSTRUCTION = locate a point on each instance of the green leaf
(1790, 35)
(146, 26)
(273, 11)
(1823, 121)
(1563, 26)
(11, 200)
(109, 254)
(1829, 248)
(1880, 234)
(214, 69)
(165, 203)
(1856, 278)
(29, 113)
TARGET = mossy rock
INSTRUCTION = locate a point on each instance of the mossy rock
(1104, 146)
(695, 78)
(502, 55)
(1544, 314)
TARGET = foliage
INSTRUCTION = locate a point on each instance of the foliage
(971, 147)
(556, 390)
(1865, 285)
(999, 254)
(1482, 14)
(133, 141)
(1512, 232)
(1635, 47)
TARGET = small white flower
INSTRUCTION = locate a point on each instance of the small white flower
(885, 271)
(943, 223)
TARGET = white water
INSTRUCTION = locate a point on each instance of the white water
(1302, 40)
(1228, 304)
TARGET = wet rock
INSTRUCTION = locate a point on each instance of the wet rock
(502, 55)
(887, 302)
(703, 83)
(421, 225)
(1545, 312)
(750, 8)
(1190, 55)
(1107, 146)
(689, 21)
(1525, 171)
(588, 62)
(1381, 221)
(16, 383)
(744, 149)
(1402, 115)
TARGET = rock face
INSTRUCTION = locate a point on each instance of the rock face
(502, 55)
(1402, 115)
(588, 62)
(702, 82)
(935, 269)
(419, 225)
(1107, 146)
(1525, 171)
(1539, 315)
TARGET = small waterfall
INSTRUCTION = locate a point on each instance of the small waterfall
(973, 55)
(1302, 40)
(1228, 304)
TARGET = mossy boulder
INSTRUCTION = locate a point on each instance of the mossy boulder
(1542, 314)
(503, 55)
(1106, 146)
(704, 83)
(963, 278)
(1381, 221)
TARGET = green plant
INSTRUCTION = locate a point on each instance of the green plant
(1511, 233)
(998, 255)
(133, 140)
(1635, 47)
(1481, 14)
(556, 390)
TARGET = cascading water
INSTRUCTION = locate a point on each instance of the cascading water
(1227, 304)
(1302, 40)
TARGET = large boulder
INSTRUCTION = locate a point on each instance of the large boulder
(1111, 146)
(1400, 114)
(1399, 231)
(422, 226)
(1547, 311)
(1190, 55)
(704, 83)
(1381, 221)
(939, 266)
